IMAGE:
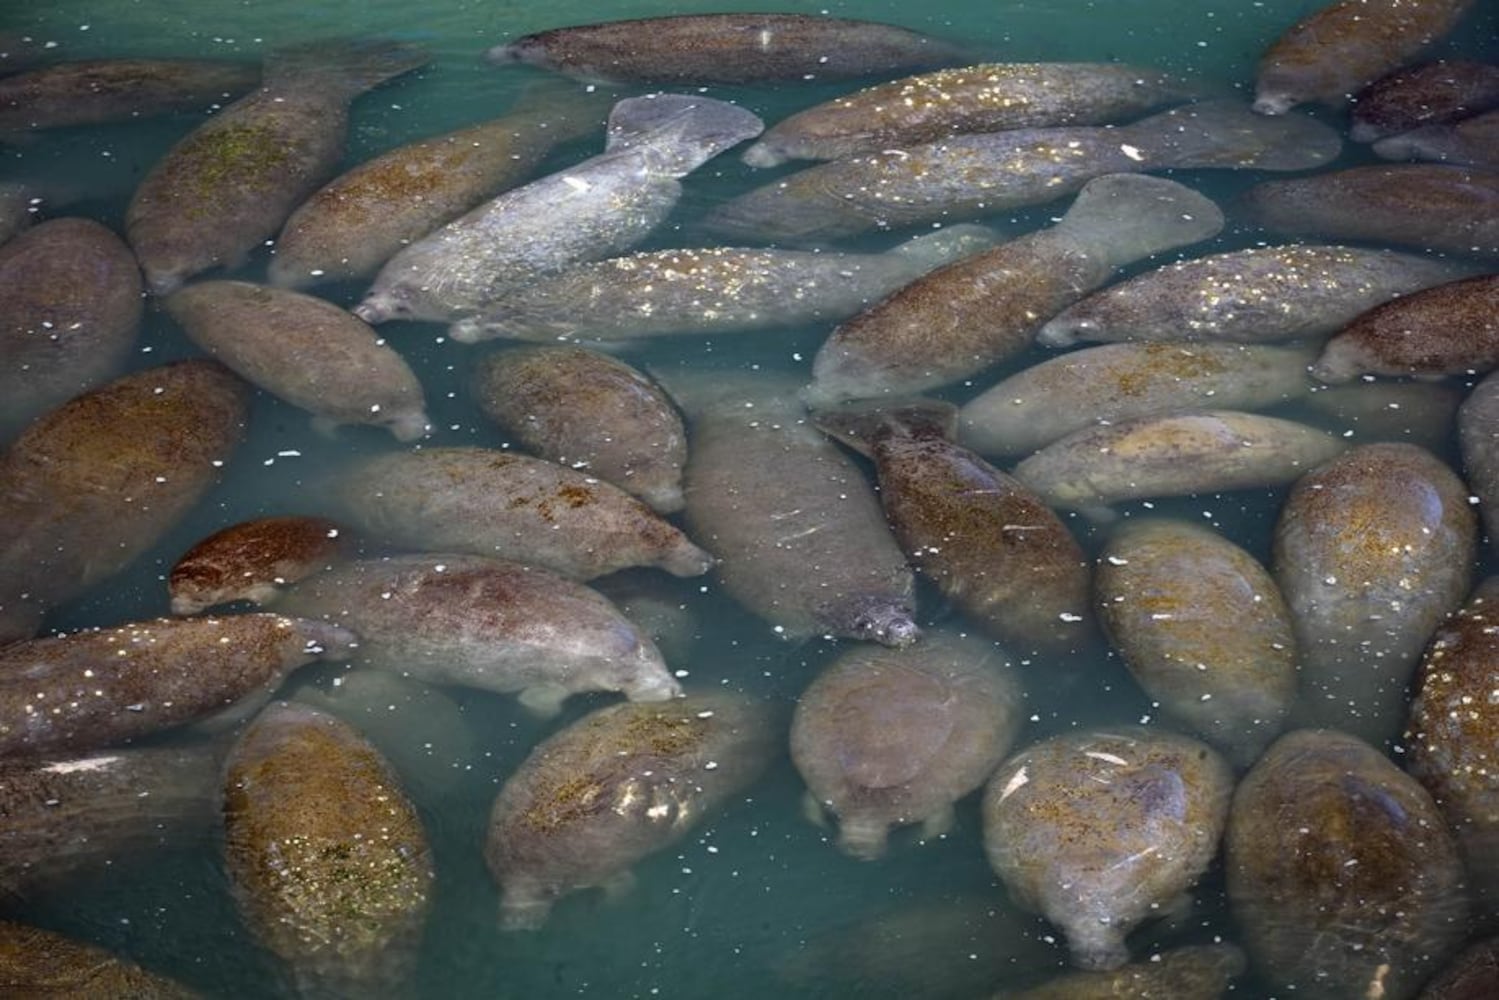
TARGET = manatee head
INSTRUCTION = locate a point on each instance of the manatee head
(873, 617)
(530, 51)
(387, 303)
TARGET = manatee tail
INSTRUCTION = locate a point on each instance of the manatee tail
(682, 131)
(932, 250)
(861, 424)
(1127, 217)
(346, 68)
(1230, 134)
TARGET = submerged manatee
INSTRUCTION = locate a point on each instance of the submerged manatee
(1435, 93)
(39, 963)
(1478, 436)
(94, 91)
(252, 561)
(1195, 972)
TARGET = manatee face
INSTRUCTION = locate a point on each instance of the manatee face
(392, 302)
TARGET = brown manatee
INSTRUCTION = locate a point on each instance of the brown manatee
(591, 412)
(487, 624)
(41, 964)
(989, 542)
(985, 308)
(1328, 55)
(726, 48)
(253, 560)
(230, 183)
(1100, 830)
(1471, 141)
(94, 91)
(1194, 972)
(1478, 436)
(1203, 628)
(99, 480)
(987, 97)
(1451, 329)
(798, 532)
(1341, 871)
(70, 309)
(90, 689)
(1371, 550)
(890, 737)
(326, 857)
(497, 503)
(613, 787)
(1434, 93)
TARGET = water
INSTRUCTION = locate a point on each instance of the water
(729, 910)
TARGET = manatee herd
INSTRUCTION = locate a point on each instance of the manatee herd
(933, 394)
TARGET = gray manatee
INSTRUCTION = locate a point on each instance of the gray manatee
(1471, 141)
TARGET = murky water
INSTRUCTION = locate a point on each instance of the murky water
(745, 906)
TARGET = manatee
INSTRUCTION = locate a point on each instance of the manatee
(1113, 382)
(890, 737)
(988, 97)
(990, 544)
(964, 176)
(227, 187)
(18, 205)
(70, 311)
(1328, 55)
(1434, 93)
(40, 963)
(983, 309)
(1421, 413)
(84, 690)
(497, 503)
(1174, 454)
(487, 624)
(1371, 550)
(1433, 206)
(1478, 437)
(617, 785)
(1098, 830)
(156, 436)
(590, 412)
(1450, 329)
(306, 351)
(589, 211)
(72, 817)
(1341, 871)
(253, 560)
(1453, 729)
(325, 855)
(1194, 972)
(1204, 630)
(1471, 141)
(715, 290)
(360, 219)
(727, 48)
(1255, 295)
(1472, 975)
(660, 607)
(798, 532)
(96, 91)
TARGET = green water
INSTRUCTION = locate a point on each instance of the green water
(729, 910)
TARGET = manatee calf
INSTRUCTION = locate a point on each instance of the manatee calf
(487, 624)
(890, 737)
(1437, 207)
(1340, 47)
(497, 503)
(983, 309)
(798, 532)
(361, 219)
(1472, 141)
(727, 48)
(1099, 830)
(1194, 972)
(230, 183)
(715, 290)
(1255, 295)
(70, 310)
(157, 437)
(95, 91)
(253, 560)
(1203, 628)
(592, 210)
(1372, 549)
(990, 544)
(590, 412)
(1478, 437)
(964, 176)
(1434, 93)
(42, 963)
(91, 689)
(1451, 329)
(619, 784)
(1113, 382)
(988, 97)
(306, 351)
(1341, 871)
(325, 855)
(1174, 454)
